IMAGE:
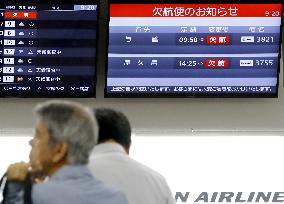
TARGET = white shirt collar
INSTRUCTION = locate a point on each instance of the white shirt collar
(108, 147)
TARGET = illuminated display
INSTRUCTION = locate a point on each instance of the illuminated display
(48, 49)
(193, 49)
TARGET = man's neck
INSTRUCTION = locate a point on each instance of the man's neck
(112, 141)
(55, 168)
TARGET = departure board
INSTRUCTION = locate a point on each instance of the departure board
(189, 49)
(48, 49)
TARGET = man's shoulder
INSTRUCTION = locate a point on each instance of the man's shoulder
(43, 192)
(94, 190)
(147, 170)
(126, 168)
(47, 189)
(101, 162)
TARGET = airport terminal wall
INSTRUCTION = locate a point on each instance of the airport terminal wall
(164, 113)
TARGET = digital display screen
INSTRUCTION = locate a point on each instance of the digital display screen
(48, 49)
(194, 49)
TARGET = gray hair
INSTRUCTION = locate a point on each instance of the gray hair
(69, 123)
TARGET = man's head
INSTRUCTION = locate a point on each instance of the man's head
(65, 133)
(113, 125)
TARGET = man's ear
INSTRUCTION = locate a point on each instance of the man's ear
(60, 153)
(127, 149)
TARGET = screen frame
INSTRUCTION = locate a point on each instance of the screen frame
(92, 94)
(194, 95)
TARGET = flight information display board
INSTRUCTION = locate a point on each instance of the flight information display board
(48, 49)
(192, 49)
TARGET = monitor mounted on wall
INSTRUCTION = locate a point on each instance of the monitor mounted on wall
(48, 48)
(183, 49)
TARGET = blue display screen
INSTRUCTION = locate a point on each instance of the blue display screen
(193, 49)
(48, 49)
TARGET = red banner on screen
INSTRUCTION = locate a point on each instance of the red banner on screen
(20, 15)
(195, 10)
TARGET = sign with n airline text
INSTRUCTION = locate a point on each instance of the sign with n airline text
(230, 197)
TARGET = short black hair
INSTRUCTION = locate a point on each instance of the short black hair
(113, 125)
